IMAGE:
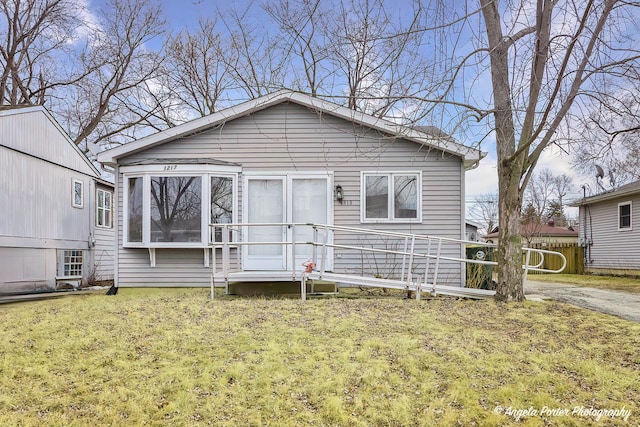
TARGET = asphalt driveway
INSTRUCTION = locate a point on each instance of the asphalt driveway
(616, 303)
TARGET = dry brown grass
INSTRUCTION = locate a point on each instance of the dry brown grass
(172, 357)
(614, 283)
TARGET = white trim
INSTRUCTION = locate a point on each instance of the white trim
(265, 262)
(80, 205)
(630, 227)
(167, 169)
(204, 172)
(390, 201)
(287, 180)
(97, 190)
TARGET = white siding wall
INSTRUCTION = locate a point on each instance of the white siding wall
(291, 138)
(36, 204)
(611, 248)
(38, 165)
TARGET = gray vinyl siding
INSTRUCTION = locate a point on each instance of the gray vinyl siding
(38, 221)
(611, 248)
(290, 138)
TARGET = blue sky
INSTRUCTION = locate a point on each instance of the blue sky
(182, 14)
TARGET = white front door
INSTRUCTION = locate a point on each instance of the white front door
(295, 198)
(265, 205)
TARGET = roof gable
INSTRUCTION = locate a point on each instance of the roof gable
(434, 139)
(34, 132)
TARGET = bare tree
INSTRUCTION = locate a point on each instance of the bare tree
(610, 137)
(254, 64)
(100, 85)
(565, 49)
(33, 35)
(113, 99)
(197, 74)
(378, 58)
(484, 210)
(548, 62)
(304, 41)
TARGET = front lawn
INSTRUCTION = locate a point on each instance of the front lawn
(172, 357)
(614, 283)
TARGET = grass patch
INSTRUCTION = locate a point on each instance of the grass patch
(614, 283)
(172, 357)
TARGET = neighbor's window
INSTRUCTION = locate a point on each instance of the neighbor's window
(72, 263)
(391, 197)
(624, 216)
(103, 208)
(77, 196)
(174, 209)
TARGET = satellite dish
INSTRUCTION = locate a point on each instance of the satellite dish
(599, 172)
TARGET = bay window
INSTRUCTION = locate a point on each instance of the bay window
(391, 197)
(173, 205)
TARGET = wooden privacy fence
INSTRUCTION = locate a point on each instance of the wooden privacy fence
(572, 252)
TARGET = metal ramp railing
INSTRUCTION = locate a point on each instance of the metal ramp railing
(419, 259)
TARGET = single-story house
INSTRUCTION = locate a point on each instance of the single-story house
(56, 223)
(541, 234)
(607, 233)
(284, 158)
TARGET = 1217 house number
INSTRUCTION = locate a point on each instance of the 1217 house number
(170, 167)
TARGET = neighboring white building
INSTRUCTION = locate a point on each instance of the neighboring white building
(57, 214)
(609, 230)
(282, 158)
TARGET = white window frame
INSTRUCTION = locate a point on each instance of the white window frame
(630, 227)
(204, 172)
(104, 208)
(390, 201)
(73, 193)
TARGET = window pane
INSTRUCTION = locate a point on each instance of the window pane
(221, 203)
(265, 205)
(625, 216)
(376, 197)
(77, 193)
(134, 199)
(405, 196)
(72, 263)
(107, 200)
(176, 207)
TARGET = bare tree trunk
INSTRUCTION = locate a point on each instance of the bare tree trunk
(509, 254)
(510, 165)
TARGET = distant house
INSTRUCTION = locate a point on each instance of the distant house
(280, 159)
(541, 234)
(471, 231)
(608, 231)
(57, 214)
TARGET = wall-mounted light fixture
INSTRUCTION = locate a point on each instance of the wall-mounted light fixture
(339, 193)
